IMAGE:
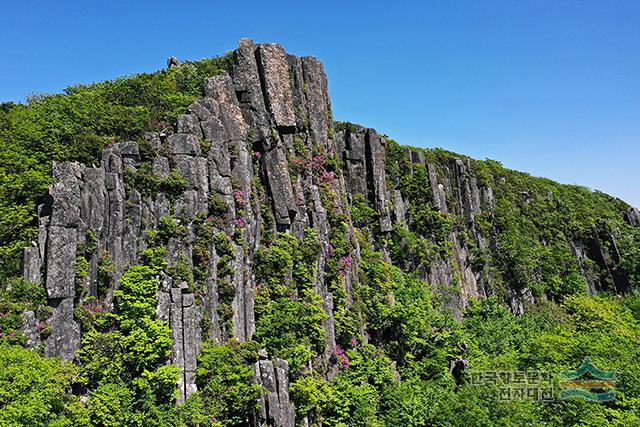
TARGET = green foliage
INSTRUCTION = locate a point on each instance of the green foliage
(16, 296)
(274, 263)
(123, 356)
(353, 397)
(105, 272)
(535, 223)
(82, 272)
(155, 257)
(286, 267)
(424, 218)
(19, 291)
(33, 390)
(144, 180)
(293, 330)
(361, 213)
(174, 184)
(224, 380)
(399, 314)
(217, 205)
(394, 343)
(410, 251)
(203, 230)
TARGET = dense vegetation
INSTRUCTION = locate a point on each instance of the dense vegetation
(398, 376)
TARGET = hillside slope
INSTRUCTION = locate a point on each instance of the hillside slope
(282, 268)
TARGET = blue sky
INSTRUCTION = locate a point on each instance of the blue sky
(547, 87)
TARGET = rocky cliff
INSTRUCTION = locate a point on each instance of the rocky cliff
(260, 157)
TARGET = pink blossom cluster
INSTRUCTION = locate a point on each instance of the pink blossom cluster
(342, 357)
(327, 176)
(299, 162)
(317, 163)
(257, 154)
(344, 263)
(329, 250)
(239, 197)
(240, 222)
(93, 309)
(217, 221)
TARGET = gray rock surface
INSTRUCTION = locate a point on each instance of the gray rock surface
(172, 62)
(274, 71)
(186, 335)
(277, 169)
(276, 409)
(64, 340)
(31, 265)
(30, 329)
(189, 123)
(184, 143)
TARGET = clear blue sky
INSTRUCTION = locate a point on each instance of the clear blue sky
(548, 87)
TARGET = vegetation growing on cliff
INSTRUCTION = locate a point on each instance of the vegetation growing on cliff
(348, 292)
(77, 125)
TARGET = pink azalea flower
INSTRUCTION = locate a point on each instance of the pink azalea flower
(329, 250)
(238, 195)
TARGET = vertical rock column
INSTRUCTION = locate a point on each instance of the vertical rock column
(31, 264)
(277, 171)
(318, 105)
(230, 142)
(61, 260)
(112, 239)
(131, 238)
(189, 163)
(93, 213)
(274, 75)
(376, 177)
(185, 333)
(275, 407)
(364, 166)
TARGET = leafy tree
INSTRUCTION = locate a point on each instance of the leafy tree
(33, 390)
(224, 374)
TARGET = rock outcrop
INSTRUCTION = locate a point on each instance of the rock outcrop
(259, 155)
(276, 408)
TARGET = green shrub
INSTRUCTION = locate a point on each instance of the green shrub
(293, 330)
(224, 378)
(33, 390)
(174, 185)
(361, 213)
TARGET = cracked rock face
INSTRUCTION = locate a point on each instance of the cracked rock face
(260, 154)
(276, 408)
(274, 71)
